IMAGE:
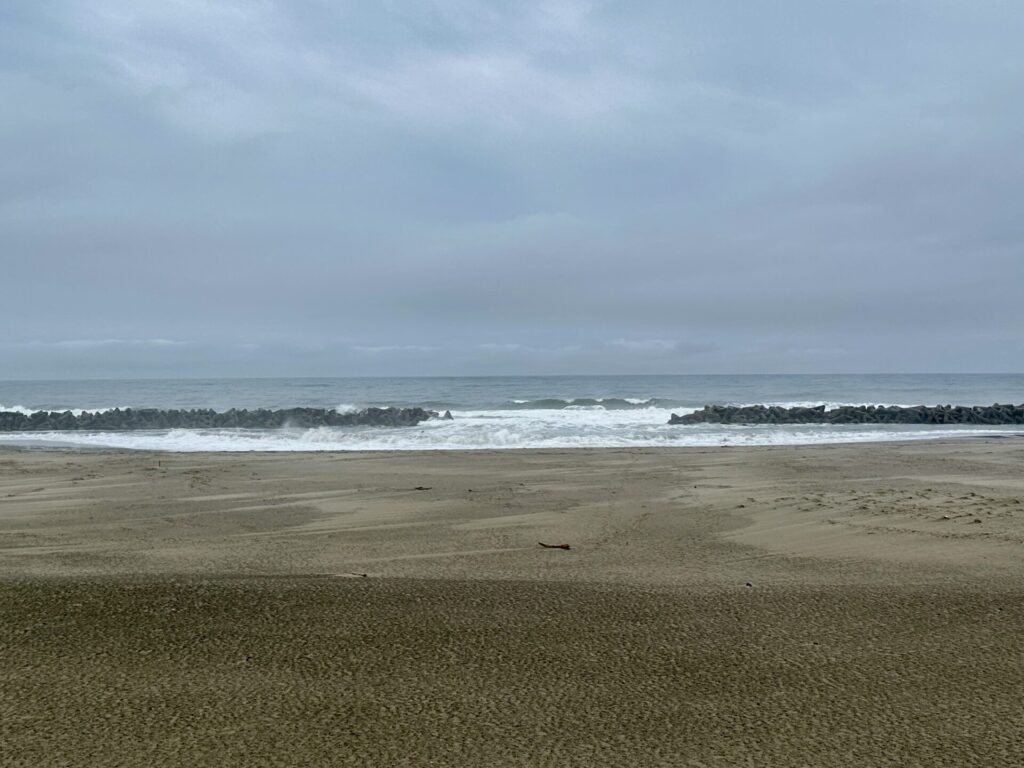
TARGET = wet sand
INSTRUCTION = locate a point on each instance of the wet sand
(826, 605)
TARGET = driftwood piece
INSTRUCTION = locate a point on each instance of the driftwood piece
(554, 546)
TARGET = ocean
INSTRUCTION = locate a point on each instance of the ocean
(511, 411)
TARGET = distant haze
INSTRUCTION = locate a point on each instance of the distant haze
(356, 188)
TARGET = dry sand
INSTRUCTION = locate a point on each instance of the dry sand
(828, 605)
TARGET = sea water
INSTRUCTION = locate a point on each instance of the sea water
(512, 412)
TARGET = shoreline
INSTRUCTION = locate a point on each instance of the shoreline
(43, 446)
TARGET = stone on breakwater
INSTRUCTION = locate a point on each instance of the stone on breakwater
(118, 420)
(854, 414)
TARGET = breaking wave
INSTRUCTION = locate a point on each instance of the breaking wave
(73, 411)
(607, 403)
(566, 427)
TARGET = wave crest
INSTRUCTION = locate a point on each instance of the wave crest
(607, 403)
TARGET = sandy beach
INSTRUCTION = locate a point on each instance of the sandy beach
(857, 605)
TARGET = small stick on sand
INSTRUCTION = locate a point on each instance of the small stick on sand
(554, 546)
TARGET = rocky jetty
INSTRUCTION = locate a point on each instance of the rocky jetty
(855, 414)
(118, 420)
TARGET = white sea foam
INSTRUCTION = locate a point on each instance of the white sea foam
(17, 409)
(581, 427)
(75, 411)
(547, 403)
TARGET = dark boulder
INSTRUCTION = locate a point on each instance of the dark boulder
(118, 420)
(854, 414)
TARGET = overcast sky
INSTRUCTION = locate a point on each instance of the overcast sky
(454, 187)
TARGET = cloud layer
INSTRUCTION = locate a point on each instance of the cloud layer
(541, 187)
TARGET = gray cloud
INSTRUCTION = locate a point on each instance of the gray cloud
(473, 187)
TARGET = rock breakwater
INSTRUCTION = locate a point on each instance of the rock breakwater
(118, 420)
(855, 414)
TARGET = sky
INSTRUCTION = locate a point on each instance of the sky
(449, 187)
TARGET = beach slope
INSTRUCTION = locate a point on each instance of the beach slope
(825, 605)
